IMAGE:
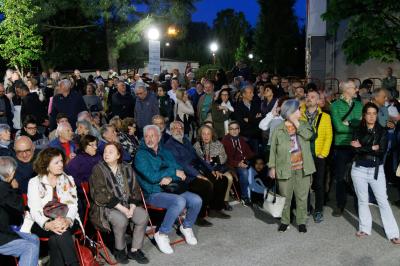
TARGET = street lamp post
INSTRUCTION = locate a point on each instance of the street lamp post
(213, 49)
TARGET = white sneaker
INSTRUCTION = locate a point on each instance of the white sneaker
(162, 241)
(189, 236)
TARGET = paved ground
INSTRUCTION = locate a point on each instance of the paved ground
(251, 238)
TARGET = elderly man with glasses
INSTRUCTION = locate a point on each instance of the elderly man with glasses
(201, 178)
(25, 155)
(239, 154)
(157, 169)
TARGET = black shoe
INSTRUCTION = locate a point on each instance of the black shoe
(218, 214)
(121, 256)
(139, 256)
(227, 206)
(247, 202)
(302, 228)
(203, 222)
(283, 227)
(337, 212)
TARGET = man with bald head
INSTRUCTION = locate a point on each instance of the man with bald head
(25, 155)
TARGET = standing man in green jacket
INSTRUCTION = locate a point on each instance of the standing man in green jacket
(346, 116)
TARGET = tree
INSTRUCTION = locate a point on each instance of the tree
(241, 51)
(228, 27)
(122, 25)
(194, 44)
(77, 42)
(373, 28)
(277, 37)
(22, 44)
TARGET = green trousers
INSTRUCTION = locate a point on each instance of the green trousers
(300, 186)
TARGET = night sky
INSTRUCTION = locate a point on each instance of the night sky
(207, 9)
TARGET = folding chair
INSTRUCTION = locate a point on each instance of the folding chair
(152, 230)
(78, 232)
(99, 239)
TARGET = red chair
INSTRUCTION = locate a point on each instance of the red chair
(100, 243)
(152, 230)
(78, 232)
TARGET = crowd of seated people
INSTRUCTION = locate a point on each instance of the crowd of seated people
(186, 148)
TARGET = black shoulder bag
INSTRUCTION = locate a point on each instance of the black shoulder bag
(349, 111)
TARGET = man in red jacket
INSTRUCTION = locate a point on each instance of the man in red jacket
(239, 154)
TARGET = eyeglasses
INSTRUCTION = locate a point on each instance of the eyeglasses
(24, 151)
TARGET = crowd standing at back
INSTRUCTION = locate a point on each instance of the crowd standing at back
(188, 145)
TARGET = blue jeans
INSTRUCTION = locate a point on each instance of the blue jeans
(26, 248)
(362, 177)
(175, 204)
(243, 174)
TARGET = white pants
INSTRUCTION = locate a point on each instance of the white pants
(362, 177)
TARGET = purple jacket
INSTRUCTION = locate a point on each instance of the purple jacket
(80, 168)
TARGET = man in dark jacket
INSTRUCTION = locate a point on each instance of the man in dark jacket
(67, 102)
(6, 114)
(24, 155)
(200, 177)
(248, 114)
(122, 102)
(13, 243)
(31, 105)
(146, 107)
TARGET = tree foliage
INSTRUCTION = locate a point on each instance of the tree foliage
(194, 45)
(373, 29)
(241, 51)
(21, 42)
(113, 25)
(228, 27)
(277, 37)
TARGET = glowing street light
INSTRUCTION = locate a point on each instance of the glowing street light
(213, 49)
(251, 56)
(153, 34)
(172, 31)
(167, 44)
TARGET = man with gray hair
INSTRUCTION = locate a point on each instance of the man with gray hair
(67, 102)
(346, 116)
(157, 169)
(14, 243)
(201, 178)
(64, 141)
(5, 140)
(145, 108)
